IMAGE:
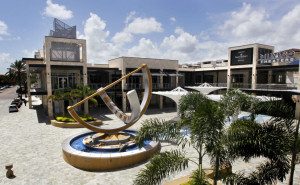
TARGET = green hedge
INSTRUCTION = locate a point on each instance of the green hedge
(69, 119)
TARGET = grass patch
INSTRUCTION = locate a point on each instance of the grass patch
(70, 119)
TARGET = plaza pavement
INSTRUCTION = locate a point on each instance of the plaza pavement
(34, 148)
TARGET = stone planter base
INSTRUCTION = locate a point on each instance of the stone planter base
(60, 124)
(101, 161)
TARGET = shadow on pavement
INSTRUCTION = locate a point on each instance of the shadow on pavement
(151, 111)
(41, 114)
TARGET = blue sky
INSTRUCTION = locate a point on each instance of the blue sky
(190, 31)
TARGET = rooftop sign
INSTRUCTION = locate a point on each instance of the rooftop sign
(241, 56)
(283, 56)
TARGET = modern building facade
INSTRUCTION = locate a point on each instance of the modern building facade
(62, 64)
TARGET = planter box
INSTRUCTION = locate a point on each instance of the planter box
(61, 124)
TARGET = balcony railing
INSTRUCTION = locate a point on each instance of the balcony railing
(288, 86)
(155, 86)
(97, 86)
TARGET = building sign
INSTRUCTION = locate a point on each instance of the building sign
(241, 56)
(283, 56)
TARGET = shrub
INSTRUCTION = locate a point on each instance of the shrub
(69, 119)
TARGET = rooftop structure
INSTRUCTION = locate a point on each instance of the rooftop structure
(62, 30)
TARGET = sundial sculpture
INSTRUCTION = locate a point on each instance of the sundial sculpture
(111, 148)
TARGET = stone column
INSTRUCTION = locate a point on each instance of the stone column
(28, 86)
(177, 80)
(229, 70)
(123, 72)
(161, 86)
(48, 77)
(84, 71)
(270, 74)
(254, 71)
(49, 90)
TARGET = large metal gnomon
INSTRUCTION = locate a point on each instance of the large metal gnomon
(137, 109)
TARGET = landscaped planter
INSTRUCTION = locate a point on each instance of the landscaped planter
(61, 124)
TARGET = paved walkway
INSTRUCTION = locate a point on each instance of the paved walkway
(34, 148)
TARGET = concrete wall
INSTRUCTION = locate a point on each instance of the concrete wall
(134, 62)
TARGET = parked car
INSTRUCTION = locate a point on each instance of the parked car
(19, 100)
(13, 108)
(17, 103)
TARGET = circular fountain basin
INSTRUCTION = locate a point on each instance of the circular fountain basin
(82, 156)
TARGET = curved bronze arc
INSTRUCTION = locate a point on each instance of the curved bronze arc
(147, 80)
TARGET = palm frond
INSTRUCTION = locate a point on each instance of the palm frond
(161, 166)
(198, 178)
(248, 139)
(159, 130)
(271, 108)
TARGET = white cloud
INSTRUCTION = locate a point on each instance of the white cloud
(5, 61)
(28, 53)
(3, 29)
(145, 48)
(287, 32)
(122, 37)
(182, 42)
(251, 24)
(98, 49)
(130, 17)
(57, 11)
(144, 25)
(173, 19)
(247, 22)
(136, 25)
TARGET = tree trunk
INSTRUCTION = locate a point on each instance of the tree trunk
(217, 164)
(294, 154)
(200, 161)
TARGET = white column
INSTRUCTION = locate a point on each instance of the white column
(84, 71)
(229, 70)
(48, 77)
(161, 86)
(254, 71)
(49, 89)
(123, 72)
(28, 86)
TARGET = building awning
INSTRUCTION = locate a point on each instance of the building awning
(38, 91)
(158, 74)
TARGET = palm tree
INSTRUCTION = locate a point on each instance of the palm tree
(60, 96)
(204, 119)
(248, 139)
(81, 92)
(272, 140)
(18, 72)
(234, 101)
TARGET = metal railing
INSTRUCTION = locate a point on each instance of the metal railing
(97, 86)
(155, 86)
(288, 86)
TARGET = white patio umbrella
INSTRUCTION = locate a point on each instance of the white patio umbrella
(205, 88)
(174, 94)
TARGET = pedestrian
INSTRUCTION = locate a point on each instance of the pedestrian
(25, 101)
